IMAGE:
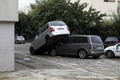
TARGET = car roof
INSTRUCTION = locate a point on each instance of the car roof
(82, 35)
(113, 36)
(55, 21)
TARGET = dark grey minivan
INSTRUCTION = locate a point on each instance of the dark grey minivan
(79, 45)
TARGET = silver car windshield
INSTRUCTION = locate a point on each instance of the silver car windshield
(57, 23)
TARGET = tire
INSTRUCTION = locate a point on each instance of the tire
(82, 54)
(32, 51)
(53, 52)
(110, 54)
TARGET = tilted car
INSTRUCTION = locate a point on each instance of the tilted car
(48, 34)
(79, 45)
(112, 51)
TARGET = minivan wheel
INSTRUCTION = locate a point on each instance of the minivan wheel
(53, 52)
(110, 54)
(82, 54)
(32, 51)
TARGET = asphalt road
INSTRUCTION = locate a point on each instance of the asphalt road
(46, 67)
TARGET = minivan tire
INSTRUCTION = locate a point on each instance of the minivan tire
(110, 54)
(32, 51)
(82, 54)
(53, 52)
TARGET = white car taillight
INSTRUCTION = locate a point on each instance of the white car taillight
(52, 29)
(67, 28)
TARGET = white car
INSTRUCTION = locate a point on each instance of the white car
(48, 34)
(112, 51)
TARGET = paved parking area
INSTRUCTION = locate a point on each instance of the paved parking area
(45, 67)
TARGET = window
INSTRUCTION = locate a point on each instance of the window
(65, 40)
(43, 28)
(79, 40)
(111, 39)
(118, 8)
(96, 40)
(109, 0)
(37, 35)
(57, 23)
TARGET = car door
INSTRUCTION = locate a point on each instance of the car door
(64, 47)
(118, 50)
(39, 40)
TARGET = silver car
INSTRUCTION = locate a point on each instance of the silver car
(49, 34)
(79, 45)
(19, 40)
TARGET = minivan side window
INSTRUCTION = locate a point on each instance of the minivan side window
(65, 40)
(79, 40)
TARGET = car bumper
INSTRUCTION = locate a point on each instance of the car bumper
(97, 53)
(19, 42)
(107, 45)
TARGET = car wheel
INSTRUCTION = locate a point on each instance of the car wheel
(82, 54)
(53, 52)
(32, 51)
(110, 54)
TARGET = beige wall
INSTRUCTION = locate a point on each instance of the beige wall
(8, 10)
(104, 7)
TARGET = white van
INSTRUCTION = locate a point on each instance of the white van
(48, 34)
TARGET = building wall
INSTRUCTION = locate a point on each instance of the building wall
(8, 17)
(8, 10)
(104, 7)
(6, 46)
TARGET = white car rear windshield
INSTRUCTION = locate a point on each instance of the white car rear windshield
(57, 23)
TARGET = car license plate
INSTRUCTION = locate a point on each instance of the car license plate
(60, 28)
(99, 47)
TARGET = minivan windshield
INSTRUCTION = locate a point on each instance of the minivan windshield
(57, 23)
(96, 39)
